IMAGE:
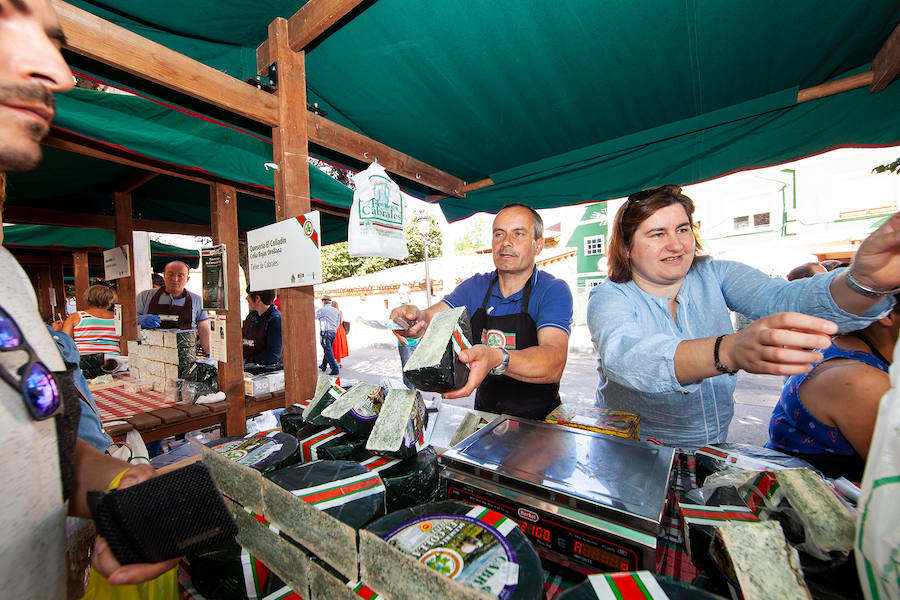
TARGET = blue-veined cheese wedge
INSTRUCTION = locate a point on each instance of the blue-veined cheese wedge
(435, 366)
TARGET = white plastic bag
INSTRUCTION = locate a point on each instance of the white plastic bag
(878, 529)
(132, 449)
(376, 218)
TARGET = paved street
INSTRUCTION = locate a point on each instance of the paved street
(754, 398)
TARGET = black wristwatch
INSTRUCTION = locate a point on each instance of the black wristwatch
(504, 364)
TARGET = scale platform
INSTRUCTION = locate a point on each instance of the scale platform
(586, 499)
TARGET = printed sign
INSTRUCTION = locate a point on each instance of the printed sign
(215, 281)
(286, 254)
(217, 345)
(115, 262)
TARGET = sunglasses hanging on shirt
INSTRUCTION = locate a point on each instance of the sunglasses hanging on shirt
(33, 380)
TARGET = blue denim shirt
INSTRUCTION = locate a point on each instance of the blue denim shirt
(90, 428)
(636, 337)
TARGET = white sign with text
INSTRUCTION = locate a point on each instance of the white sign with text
(286, 254)
(115, 262)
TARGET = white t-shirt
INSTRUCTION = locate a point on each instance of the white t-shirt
(32, 512)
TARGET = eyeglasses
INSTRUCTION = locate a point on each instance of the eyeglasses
(669, 188)
(35, 382)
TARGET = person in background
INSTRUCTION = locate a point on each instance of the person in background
(46, 470)
(666, 347)
(340, 349)
(832, 263)
(329, 320)
(90, 427)
(405, 348)
(157, 281)
(94, 329)
(174, 307)
(521, 319)
(827, 416)
(261, 332)
(806, 270)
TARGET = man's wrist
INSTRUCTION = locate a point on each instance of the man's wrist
(863, 288)
(502, 364)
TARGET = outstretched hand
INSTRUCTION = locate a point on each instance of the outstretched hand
(780, 344)
(481, 359)
(412, 315)
(876, 263)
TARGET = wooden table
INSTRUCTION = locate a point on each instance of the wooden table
(156, 417)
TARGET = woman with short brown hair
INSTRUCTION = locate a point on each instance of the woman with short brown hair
(661, 325)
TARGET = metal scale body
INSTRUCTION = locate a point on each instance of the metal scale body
(587, 501)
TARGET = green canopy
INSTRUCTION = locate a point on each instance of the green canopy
(557, 102)
(72, 238)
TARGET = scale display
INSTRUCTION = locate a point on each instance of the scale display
(599, 551)
(594, 499)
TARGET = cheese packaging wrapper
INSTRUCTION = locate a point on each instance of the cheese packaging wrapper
(264, 452)
(357, 408)
(346, 490)
(400, 425)
(601, 420)
(759, 559)
(473, 545)
(327, 391)
(802, 498)
(329, 443)
(408, 482)
(434, 365)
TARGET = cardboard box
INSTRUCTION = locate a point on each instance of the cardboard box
(256, 386)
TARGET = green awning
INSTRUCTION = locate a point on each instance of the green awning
(558, 102)
(75, 238)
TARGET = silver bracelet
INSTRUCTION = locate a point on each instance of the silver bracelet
(859, 288)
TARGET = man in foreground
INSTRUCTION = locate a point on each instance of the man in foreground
(46, 470)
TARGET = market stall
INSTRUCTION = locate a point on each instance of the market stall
(567, 117)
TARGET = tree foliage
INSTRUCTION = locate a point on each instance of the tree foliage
(477, 236)
(337, 262)
(893, 167)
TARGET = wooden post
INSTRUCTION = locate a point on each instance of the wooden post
(42, 288)
(292, 199)
(59, 286)
(125, 285)
(223, 210)
(82, 277)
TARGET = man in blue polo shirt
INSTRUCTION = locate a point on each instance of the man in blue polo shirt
(520, 316)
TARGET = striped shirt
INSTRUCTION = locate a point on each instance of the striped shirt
(95, 335)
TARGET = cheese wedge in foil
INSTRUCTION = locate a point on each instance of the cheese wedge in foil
(400, 425)
(327, 391)
(357, 408)
(435, 364)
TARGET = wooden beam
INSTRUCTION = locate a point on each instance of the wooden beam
(79, 145)
(100, 40)
(25, 215)
(834, 87)
(886, 64)
(91, 36)
(292, 199)
(125, 285)
(42, 288)
(335, 137)
(134, 180)
(312, 20)
(82, 277)
(58, 281)
(223, 208)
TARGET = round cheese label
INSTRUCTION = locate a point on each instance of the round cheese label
(463, 548)
(249, 451)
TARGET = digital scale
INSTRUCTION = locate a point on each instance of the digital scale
(587, 501)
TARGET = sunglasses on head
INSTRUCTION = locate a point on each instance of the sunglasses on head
(669, 188)
(33, 380)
